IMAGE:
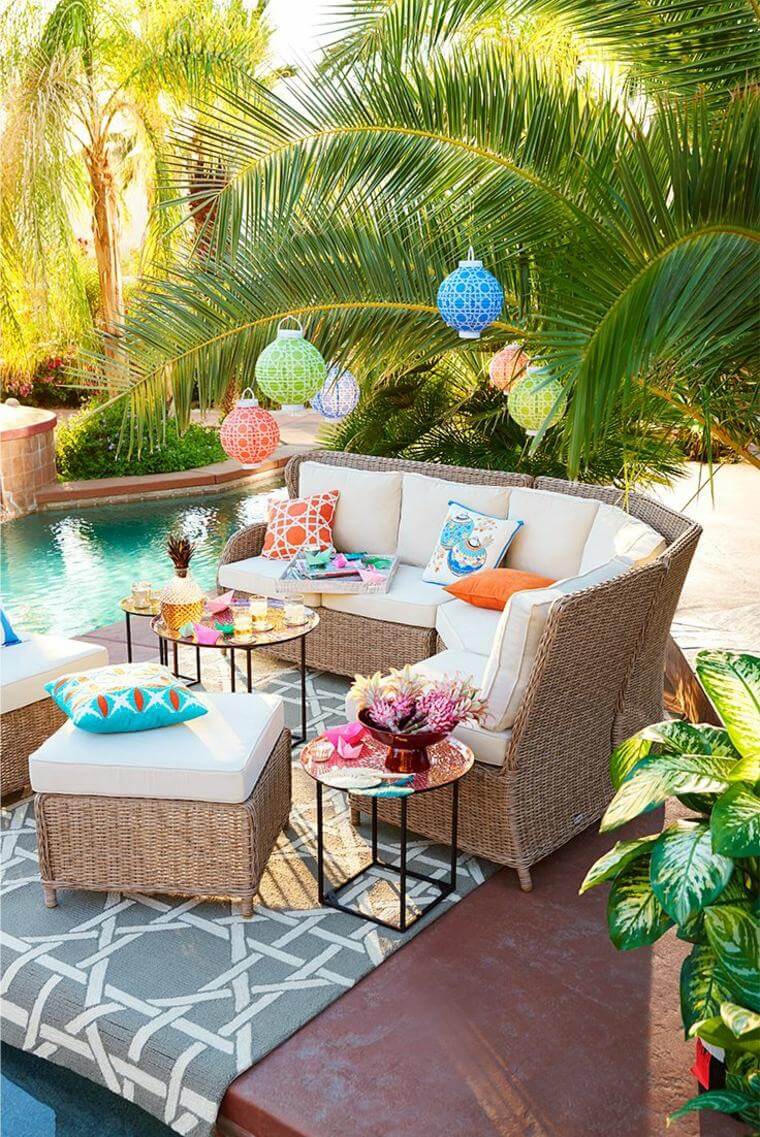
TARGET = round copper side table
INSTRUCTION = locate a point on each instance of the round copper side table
(450, 760)
(279, 633)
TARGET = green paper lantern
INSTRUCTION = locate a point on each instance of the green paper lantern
(532, 401)
(290, 370)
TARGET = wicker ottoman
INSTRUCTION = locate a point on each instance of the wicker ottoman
(190, 810)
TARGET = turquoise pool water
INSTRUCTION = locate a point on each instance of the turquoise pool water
(66, 571)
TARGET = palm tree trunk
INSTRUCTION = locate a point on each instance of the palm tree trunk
(105, 227)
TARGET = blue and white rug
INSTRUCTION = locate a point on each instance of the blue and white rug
(165, 1000)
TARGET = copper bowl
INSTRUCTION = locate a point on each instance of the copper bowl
(407, 753)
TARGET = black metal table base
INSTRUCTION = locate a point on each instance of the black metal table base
(331, 896)
(163, 656)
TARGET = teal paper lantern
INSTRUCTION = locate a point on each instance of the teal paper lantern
(532, 401)
(470, 298)
(290, 370)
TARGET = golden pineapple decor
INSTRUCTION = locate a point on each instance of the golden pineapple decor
(182, 600)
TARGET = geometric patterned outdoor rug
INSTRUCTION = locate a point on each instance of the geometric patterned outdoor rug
(165, 1000)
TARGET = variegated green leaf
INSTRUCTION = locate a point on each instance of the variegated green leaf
(657, 777)
(671, 737)
(634, 914)
(693, 931)
(614, 861)
(739, 1020)
(700, 990)
(747, 770)
(716, 1032)
(733, 932)
(735, 822)
(732, 681)
(724, 1101)
(685, 873)
(743, 1073)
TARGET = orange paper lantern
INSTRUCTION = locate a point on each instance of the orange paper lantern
(249, 434)
(507, 366)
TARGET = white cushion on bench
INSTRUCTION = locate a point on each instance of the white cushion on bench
(218, 757)
(553, 537)
(409, 600)
(259, 576)
(25, 668)
(424, 505)
(616, 534)
(510, 663)
(464, 627)
(368, 509)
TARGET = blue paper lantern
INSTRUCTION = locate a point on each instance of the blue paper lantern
(339, 395)
(470, 298)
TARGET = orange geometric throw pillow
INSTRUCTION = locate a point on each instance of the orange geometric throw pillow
(492, 588)
(302, 521)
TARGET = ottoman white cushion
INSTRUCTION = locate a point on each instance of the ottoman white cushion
(218, 757)
(25, 668)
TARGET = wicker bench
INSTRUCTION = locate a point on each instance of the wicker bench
(192, 810)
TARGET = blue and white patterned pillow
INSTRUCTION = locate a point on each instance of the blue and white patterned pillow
(469, 541)
(125, 697)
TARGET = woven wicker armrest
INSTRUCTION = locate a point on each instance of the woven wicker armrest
(245, 543)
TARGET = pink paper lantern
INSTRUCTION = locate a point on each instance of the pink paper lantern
(249, 434)
(507, 366)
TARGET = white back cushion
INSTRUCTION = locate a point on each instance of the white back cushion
(552, 540)
(616, 534)
(518, 635)
(368, 509)
(424, 505)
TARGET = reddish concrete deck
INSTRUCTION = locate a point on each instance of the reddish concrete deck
(510, 1016)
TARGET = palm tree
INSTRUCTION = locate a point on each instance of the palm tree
(91, 86)
(622, 217)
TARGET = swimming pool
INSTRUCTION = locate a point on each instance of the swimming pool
(65, 571)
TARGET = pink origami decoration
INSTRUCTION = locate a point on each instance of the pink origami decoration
(347, 751)
(371, 576)
(219, 603)
(205, 635)
(349, 732)
(340, 562)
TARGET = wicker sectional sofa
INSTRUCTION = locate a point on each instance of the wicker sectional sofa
(567, 671)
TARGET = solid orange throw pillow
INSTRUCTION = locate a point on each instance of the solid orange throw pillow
(492, 588)
(302, 521)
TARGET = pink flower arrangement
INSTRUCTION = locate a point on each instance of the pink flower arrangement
(406, 702)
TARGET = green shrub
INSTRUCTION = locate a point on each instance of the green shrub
(94, 448)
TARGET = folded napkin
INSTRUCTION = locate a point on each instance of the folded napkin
(206, 635)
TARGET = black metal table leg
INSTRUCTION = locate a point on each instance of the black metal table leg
(402, 867)
(232, 669)
(176, 659)
(198, 663)
(129, 638)
(302, 737)
(320, 846)
(249, 670)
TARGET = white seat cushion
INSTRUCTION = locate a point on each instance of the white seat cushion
(259, 576)
(616, 534)
(552, 540)
(518, 635)
(218, 757)
(409, 600)
(25, 668)
(464, 627)
(424, 505)
(368, 509)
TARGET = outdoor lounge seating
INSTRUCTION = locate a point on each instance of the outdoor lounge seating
(568, 670)
(192, 809)
(27, 714)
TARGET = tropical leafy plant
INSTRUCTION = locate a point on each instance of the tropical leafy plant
(625, 229)
(90, 90)
(701, 874)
